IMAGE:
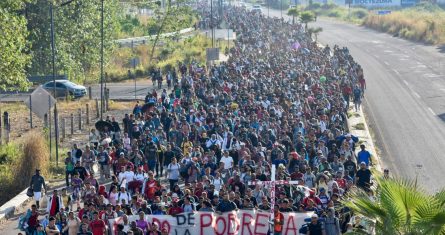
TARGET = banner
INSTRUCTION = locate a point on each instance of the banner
(376, 3)
(241, 222)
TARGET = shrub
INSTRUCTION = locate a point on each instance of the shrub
(335, 14)
(360, 13)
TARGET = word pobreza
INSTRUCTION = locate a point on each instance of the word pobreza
(241, 222)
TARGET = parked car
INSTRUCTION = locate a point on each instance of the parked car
(257, 9)
(64, 87)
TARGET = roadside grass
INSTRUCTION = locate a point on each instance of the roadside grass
(359, 126)
(23, 158)
(423, 23)
(356, 15)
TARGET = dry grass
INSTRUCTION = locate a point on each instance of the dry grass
(423, 24)
(23, 158)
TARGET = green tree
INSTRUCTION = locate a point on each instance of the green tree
(14, 50)
(77, 36)
(306, 17)
(294, 13)
(401, 207)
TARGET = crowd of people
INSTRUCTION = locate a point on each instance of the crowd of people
(280, 99)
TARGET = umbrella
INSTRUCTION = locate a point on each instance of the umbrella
(322, 79)
(100, 125)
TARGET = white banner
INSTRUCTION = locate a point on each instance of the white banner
(234, 223)
(376, 3)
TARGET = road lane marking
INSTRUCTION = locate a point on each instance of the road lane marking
(406, 83)
(397, 72)
(442, 89)
(431, 111)
(416, 95)
(386, 62)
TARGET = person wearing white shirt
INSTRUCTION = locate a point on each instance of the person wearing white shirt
(227, 160)
(123, 195)
(213, 141)
(129, 175)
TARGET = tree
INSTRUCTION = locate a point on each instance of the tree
(294, 13)
(14, 55)
(77, 36)
(401, 207)
(306, 17)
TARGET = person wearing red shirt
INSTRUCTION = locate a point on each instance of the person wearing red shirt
(313, 197)
(150, 187)
(97, 226)
(175, 208)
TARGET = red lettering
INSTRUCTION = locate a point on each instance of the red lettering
(259, 227)
(166, 225)
(232, 218)
(290, 221)
(204, 224)
(244, 222)
(220, 218)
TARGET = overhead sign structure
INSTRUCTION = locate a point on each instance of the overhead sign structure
(40, 102)
(376, 3)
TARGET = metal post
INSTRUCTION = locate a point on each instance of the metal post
(72, 123)
(88, 114)
(90, 93)
(281, 8)
(56, 126)
(30, 111)
(8, 130)
(97, 108)
(63, 128)
(102, 60)
(79, 113)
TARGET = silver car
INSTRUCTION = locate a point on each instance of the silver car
(65, 87)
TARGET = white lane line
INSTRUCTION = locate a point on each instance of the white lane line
(386, 62)
(376, 56)
(442, 89)
(397, 72)
(431, 111)
(406, 83)
(416, 95)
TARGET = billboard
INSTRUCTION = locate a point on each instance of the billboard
(376, 3)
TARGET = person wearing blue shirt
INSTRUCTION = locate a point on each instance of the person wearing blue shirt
(364, 156)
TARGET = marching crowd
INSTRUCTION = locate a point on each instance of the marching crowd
(202, 146)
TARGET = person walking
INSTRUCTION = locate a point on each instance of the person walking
(315, 227)
(37, 182)
(332, 224)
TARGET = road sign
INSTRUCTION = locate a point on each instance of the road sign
(41, 102)
(212, 54)
(383, 12)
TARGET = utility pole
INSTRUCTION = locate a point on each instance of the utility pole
(211, 22)
(102, 60)
(53, 52)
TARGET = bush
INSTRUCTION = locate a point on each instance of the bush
(335, 14)
(314, 6)
(360, 13)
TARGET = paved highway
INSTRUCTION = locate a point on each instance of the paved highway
(405, 98)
